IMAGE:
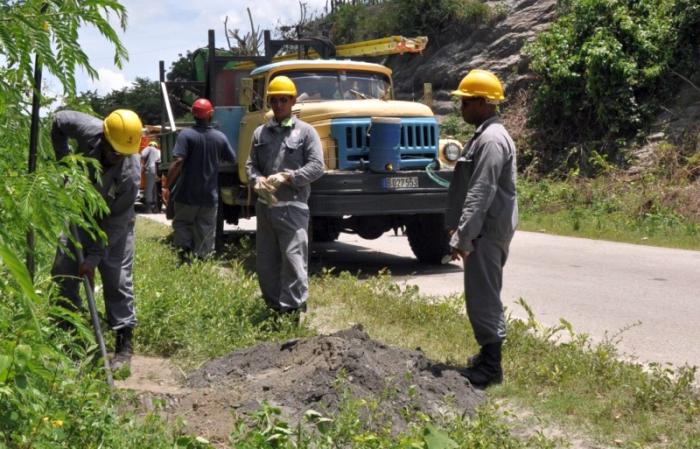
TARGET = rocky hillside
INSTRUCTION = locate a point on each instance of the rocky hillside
(496, 47)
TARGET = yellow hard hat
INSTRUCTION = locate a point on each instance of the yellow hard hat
(481, 83)
(282, 85)
(122, 129)
(153, 143)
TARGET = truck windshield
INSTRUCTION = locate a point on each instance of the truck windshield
(339, 85)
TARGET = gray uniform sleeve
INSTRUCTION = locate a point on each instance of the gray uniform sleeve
(313, 161)
(483, 184)
(74, 125)
(252, 166)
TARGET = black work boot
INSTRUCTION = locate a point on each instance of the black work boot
(123, 349)
(474, 360)
(488, 371)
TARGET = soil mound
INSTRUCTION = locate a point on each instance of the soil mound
(313, 373)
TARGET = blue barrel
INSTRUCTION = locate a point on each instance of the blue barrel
(385, 137)
(228, 120)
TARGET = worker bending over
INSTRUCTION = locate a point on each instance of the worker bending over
(114, 142)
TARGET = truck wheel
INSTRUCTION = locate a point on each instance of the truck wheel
(324, 234)
(428, 238)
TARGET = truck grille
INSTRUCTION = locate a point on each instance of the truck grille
(418, 145)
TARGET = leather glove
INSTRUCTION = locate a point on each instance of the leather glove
(265, 190)
(89, 271)
(278, 179)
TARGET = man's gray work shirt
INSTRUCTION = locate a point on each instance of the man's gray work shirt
(118, 185)
(202, 148)
(482, 197)
(294, 149)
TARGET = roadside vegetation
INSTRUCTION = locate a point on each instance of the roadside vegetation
(555, 373)
(354, 21)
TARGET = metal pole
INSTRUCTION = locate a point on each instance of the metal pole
(33, 139)
(89, 292)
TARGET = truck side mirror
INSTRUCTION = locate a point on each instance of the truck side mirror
(246, 95)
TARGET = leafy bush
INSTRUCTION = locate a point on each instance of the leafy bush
(51, 393)
(354, 22)
(602, 68)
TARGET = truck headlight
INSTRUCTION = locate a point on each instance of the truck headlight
(452, 151)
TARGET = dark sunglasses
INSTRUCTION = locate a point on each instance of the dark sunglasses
(278, 100)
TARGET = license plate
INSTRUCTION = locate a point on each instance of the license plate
(407, 182)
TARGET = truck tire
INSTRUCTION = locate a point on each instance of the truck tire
(324, 234)
(428, 238)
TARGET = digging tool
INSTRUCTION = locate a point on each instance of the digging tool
(93, 312)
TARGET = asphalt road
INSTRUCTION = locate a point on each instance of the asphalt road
(646, 298)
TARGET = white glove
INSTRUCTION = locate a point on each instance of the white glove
(265, 190)
(278, 179)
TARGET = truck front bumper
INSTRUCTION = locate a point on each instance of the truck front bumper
(337, 194)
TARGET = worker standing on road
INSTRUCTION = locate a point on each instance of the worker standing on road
(197, 155)
(150, 157)
(481, 218)
(115, 144)
(285, 158)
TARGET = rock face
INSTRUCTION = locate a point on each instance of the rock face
(496, 47)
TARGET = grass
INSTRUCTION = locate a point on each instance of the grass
(193, 313)
(573, 383)
(643, 211)
(197, 312)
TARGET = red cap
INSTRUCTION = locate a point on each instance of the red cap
(202, 108)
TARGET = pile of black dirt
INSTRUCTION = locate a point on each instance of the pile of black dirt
(315, 373)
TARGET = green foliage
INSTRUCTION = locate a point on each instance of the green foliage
(603, 66)
(360, 423)
(454, 126)
(143, 97)
(647, 209)
(52, 395)
(631, 401)
(354, 22)
(49, 29)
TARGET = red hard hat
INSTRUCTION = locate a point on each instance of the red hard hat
(202, 108)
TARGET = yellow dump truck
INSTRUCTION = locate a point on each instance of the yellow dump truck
(364, 190)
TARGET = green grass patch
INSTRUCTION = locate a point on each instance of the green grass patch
(193, 313)
(642, 211)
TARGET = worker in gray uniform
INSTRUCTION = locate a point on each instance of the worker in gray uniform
(481, 219)
(150, 157)
(285, 158)
(114, 142)
(197, 155)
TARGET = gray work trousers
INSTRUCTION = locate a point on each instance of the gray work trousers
(149, 190)
(483, 278)
(282, 251)
(116, 271)
(195, 228)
